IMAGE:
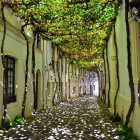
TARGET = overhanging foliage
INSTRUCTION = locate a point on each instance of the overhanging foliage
(79, 28)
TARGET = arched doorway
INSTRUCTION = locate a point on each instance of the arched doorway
(37, 91)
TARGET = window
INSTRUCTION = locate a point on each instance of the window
(10, 79)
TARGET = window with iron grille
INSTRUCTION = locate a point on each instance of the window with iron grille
(10, 79)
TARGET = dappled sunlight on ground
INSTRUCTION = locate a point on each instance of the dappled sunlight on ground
(79, 119)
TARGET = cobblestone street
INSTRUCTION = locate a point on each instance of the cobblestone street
(80, 119)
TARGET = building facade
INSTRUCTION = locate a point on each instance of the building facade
(56, 78)
(115, 68)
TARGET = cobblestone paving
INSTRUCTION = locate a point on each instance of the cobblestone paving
(80, 119)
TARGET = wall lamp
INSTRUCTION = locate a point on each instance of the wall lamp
(135, 9)
(101, 72)
(51, 65)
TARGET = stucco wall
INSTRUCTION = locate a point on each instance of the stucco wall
(112, 68)
(15, 46)
(124, 97)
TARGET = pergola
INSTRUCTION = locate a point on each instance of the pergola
(79, 28)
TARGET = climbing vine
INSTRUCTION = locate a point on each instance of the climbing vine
(56, 85)
(108, 71)
(59, 76)
(33, 64)
(104, 88)
(129, 65)
(117, 74)
(26, 69)
(69, 78)
(78, 28)
(3, 64)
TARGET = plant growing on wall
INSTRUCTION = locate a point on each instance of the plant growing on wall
(56, 74)
(126, 133)
(108, 71)
(56, 85)
(69, 78)
(82, 27)
(21, 11)
(26, 69)
(104, 88)
(33, 63)
(62, 80)
(129, 65)
(3, 65)
(59, 76)
(79, 31)
(117, 69)
(18, 120)
(57, 90)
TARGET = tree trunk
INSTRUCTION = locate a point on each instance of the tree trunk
(3, 65)
(55, 92)
(117, 68)
(109, 86)
(26, 70)
(104, 96)
(59, 82)
(69, 80)
(132, 90)
(62, 83)
(33, 66)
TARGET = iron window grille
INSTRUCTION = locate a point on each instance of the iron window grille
(9, 79)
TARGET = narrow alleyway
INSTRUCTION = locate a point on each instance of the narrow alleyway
(80, 119)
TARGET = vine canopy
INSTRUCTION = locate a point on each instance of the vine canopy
(79, 28)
